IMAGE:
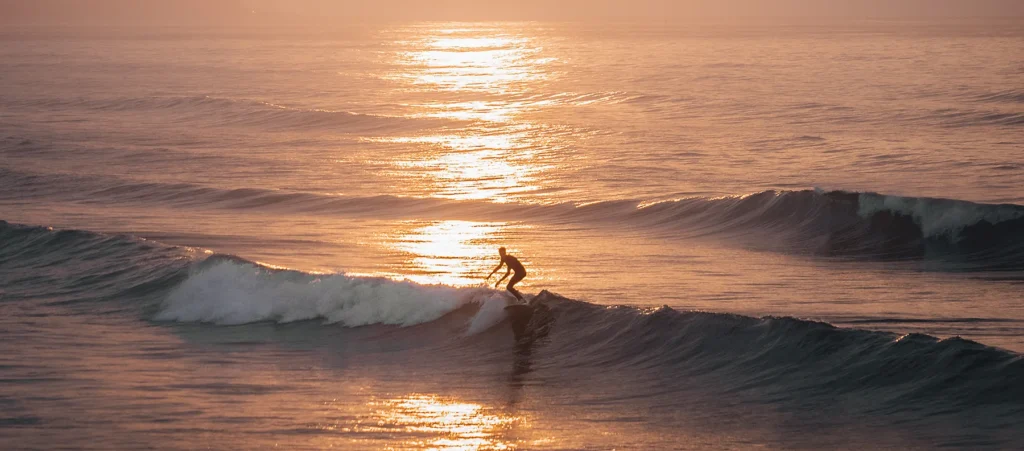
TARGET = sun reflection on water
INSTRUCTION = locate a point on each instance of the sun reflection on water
(477, 74)
(473, 110)
(444, 424)
(475, 42)
(475, 63)
(448, 252)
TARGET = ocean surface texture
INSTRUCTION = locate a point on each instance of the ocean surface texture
(747, 236)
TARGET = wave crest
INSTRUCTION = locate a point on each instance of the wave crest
(231, 291)
(868, 225)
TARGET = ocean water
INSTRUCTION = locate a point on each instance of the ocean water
(801, 236)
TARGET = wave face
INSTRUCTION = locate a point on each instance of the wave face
(783, 359)
(968, 235)
(786, 358)
(74, 267)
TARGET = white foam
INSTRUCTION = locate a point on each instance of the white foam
(937, 217)
(492, 312)
(239, 293)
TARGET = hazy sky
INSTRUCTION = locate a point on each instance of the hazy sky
(261, 12)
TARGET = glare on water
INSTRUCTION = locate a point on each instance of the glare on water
(478, 72)
(447, 252)
(498, 161)
(442, 424)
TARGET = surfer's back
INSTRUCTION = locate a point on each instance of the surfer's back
(514, 264)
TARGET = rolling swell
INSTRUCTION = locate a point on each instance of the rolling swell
(965, 235)
(76, 267)
(784, 359)
(775, 359)
(961, 235)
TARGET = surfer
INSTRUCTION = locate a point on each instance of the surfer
(513, 265)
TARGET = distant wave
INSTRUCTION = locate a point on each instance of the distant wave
(977, 108)
(839, 223)
(1007, 96)
(969, 118)
(28, 186)
(963, 235)
(219, 111)
(781, 358)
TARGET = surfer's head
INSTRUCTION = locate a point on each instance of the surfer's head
(501, 251)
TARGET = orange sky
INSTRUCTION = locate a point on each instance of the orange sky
(261, 12)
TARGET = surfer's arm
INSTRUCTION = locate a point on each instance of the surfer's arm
(503, 277)
(496, 268)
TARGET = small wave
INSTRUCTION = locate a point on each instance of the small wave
(218, 111)
(888, 320)
(1007, 167)
(973, 118)
(1007, 96)
(810, 138)
(22, 185)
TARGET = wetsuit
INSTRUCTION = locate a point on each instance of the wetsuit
(516, 267)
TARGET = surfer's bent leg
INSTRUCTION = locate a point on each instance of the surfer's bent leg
(511, 285)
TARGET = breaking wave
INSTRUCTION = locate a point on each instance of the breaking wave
(869, 225)
(782, 359)
(228, 290)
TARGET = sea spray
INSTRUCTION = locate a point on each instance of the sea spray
(492, 312)
(231, 292)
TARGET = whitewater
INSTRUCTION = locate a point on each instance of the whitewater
(773, 236)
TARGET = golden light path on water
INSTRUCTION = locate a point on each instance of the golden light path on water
(474, 62)
(493, 160)
(448, 252)
(476, 71)
(481, 74)
(445, 424)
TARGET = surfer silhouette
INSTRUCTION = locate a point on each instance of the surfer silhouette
(513, 264)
